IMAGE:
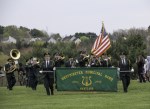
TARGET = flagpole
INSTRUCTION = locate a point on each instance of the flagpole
(102, 26)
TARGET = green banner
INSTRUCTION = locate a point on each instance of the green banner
(86, 79)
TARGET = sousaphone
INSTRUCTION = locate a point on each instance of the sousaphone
(15, 54)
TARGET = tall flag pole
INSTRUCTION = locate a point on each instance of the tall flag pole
(102, 43)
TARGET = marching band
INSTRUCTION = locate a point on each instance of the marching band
(28, 73)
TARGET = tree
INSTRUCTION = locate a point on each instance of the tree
(37, 33)
(1, 29)
(38, 49)
(18, 44)
(131, 42)
(84, 39)
(13, 31)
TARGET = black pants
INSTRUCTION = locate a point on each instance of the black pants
(49, 83)
(125, 81)
(11, 80)
(141, 78)
(33, 82)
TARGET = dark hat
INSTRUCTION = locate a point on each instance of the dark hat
(46, 53)
(80, 52)
(9, 59)
(56, 53)
(69, 56)
(123, 53)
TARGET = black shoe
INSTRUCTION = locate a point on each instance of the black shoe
(125, 90)
(48, 94)
(10, 89)
(52, 92)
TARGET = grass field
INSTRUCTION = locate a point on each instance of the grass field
(138, 97)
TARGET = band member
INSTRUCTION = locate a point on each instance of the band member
(94, 61)
(9, 68)
(33, 73)
(146, 68)
(47, 68)
(105, 61)
(27, 71)
(140, 64)
(83, 59)
(124, 65)
(70, 63)
(59, 59)
(21, 74)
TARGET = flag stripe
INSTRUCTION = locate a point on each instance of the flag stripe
(104, 42)
(102, 49)
(97, 43)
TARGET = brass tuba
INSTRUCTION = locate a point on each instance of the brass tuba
(15, 54)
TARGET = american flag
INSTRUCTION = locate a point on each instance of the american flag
(101, 44)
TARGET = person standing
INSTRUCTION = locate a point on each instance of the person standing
(83, 59)
(33, 73)
(105, 61)
(94, 61)
(70, 63)
(21, 74)
(47, 70)
(124, 65)
(59, 59)
(9, 68)
(140, 64)
(148, 69)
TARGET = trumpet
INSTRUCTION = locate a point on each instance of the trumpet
(57, 58)
(85, 56)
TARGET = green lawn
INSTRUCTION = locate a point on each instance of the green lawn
(138, 97)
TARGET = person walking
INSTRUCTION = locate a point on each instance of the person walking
(124, 65)
(140, 64)
(47, 70)
(9, 69)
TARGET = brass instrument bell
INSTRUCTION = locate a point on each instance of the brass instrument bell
(15, 54)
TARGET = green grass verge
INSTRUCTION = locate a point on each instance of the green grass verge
(138, 97)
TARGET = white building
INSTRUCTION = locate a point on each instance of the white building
(51, 40)
(35, 39)
(77, 41)
(73, 38)
(10, 40)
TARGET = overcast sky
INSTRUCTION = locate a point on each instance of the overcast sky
(70, 16)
